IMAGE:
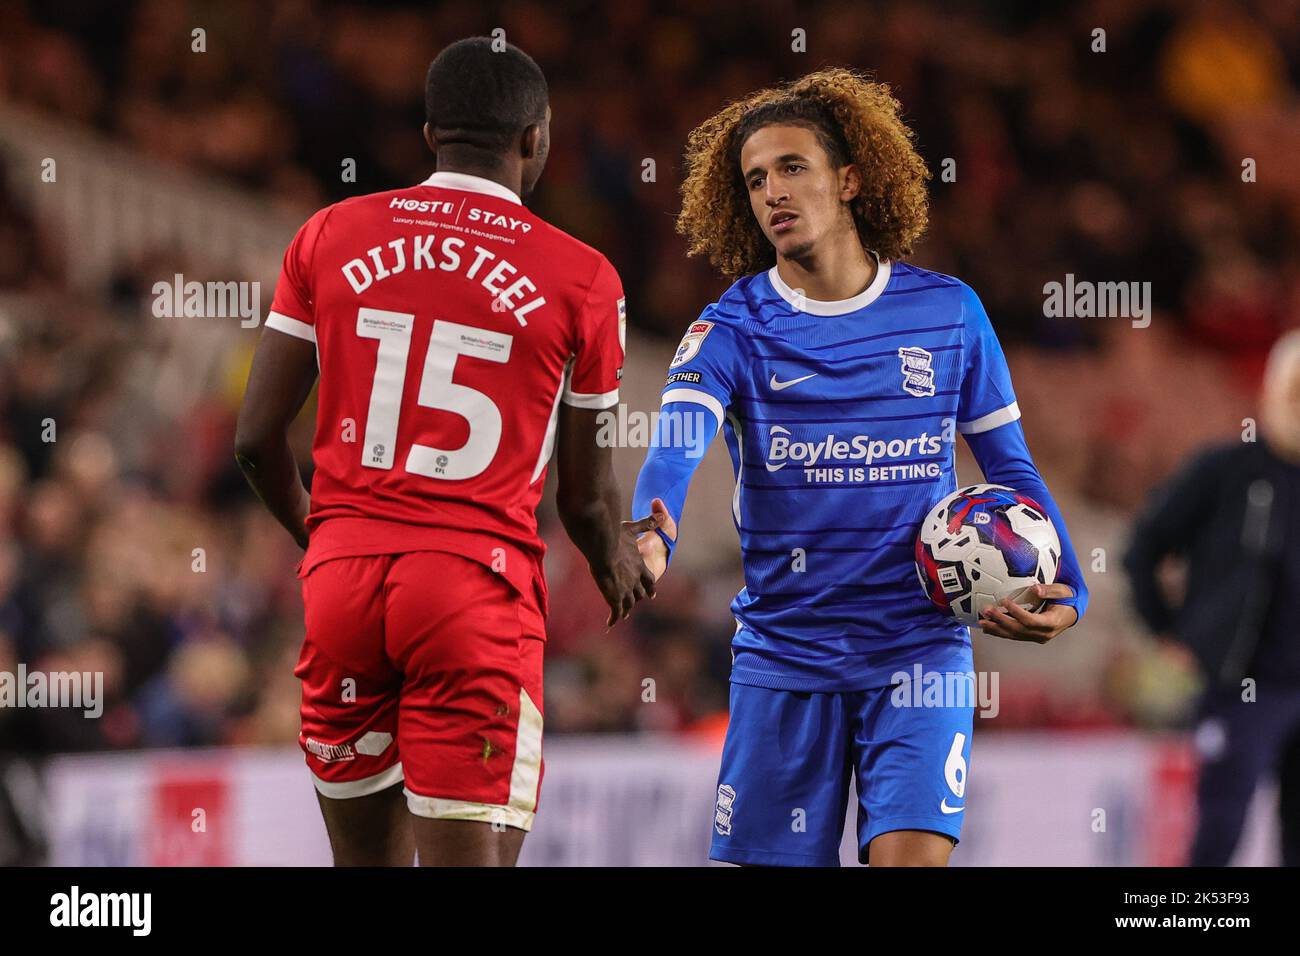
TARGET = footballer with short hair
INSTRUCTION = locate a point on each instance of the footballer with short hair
(455, 335)
(839, 374)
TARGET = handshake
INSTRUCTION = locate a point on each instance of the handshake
(640, 561)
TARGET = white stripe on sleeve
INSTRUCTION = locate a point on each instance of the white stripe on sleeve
(698, 397)
(283, 323)
(990, 421)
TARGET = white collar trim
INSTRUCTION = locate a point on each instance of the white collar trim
(839, 306)
(473, 184)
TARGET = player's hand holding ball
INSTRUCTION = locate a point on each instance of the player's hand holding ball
(1013, 622)
(988, 555)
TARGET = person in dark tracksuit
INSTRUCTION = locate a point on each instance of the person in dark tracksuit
(1233, 512)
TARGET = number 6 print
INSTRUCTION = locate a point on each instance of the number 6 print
(449, 341)
(954, 770)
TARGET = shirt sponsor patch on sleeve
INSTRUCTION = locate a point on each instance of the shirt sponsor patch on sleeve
(692, 377)
(691, 341)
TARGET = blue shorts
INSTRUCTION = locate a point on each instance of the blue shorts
(783, 788)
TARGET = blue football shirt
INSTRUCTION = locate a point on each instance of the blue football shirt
(841, 419)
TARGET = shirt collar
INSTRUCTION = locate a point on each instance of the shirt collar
(839, 306)
(473, 184)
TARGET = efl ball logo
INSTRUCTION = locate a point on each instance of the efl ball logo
(982, 544)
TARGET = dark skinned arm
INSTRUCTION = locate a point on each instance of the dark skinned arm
(591, 510)
(284, 370)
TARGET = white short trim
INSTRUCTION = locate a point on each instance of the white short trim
(436, 808)
(347, 789)
(290, 326)
(525, 777)
(592, 400)
(992, 420)
(698, 397)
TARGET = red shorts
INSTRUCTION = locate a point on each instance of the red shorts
(425, 668)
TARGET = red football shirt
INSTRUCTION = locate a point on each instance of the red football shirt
(449, 322)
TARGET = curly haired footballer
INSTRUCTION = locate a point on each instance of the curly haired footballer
(855, 120)
(810, 196)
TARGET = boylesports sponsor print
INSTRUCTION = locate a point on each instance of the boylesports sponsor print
(854, 458)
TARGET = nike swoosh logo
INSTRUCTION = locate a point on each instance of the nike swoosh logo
(947, 809)
(777, 386)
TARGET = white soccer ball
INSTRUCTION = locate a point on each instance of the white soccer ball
(982, 544)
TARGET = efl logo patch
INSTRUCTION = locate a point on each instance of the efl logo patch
(691, 341)
(622, 325)
(722, 810)
(918, 371)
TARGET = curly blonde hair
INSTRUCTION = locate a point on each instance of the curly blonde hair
(856, 121)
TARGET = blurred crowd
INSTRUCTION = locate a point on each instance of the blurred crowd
(129, 543)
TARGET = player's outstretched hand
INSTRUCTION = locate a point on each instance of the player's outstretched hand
(1013, 622)
(653, 550)
(627, 580)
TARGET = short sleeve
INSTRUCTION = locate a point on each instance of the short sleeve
(987, 399)
(293, 307)
(600, 337)
(704, 368)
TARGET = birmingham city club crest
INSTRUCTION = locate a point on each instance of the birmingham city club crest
(918, 373)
